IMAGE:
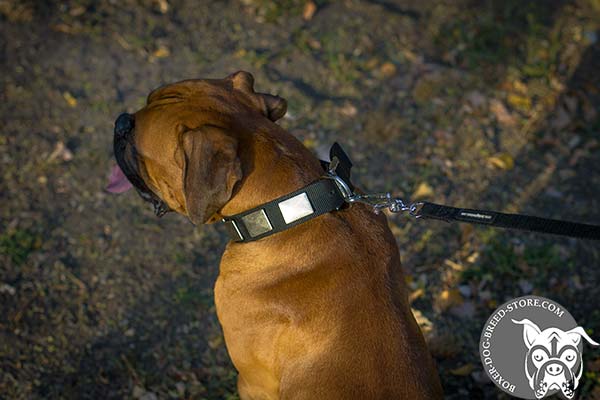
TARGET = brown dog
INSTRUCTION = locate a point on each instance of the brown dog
(318, 311)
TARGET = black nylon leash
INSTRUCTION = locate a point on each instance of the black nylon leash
(510, 221)
(335, 190)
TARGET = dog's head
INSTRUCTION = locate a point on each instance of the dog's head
(181, 151)
(553, 361)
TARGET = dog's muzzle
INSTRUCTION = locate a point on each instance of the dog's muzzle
(124, 125)
(127, 159)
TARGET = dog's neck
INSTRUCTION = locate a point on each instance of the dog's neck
(276, 157)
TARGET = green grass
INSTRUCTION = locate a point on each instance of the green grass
(19, 244)
(515, 32)
(502, 262)
(193, 296)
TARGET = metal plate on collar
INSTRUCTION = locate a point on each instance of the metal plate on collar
(257, 223)
(233, 230)
(295, 208)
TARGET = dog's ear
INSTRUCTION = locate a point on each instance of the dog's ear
(243, 81)
(577, 333)
(273, 107)
(530, 331)
(210, 171)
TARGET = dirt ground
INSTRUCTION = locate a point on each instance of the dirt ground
(471, 103)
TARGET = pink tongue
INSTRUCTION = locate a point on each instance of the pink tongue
(117, 182)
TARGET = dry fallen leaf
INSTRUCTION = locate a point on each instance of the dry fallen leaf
(463, 370)
(215, 342)
(502, 161)
(348, 110)
(161, 52)
(454, 265)
(473, 257)
(61, 151)
(309, 10)
(448, 298)
(314, 43)
(163, 6)
(371, 63)
(387, 69)
(63, 28)
(519, 87)
(121, 40)
(423, 190)
(77, 11)
(519, 102)
(416, 294)
(424, 323)
(503, 116)
(310, 143)
(71, 101)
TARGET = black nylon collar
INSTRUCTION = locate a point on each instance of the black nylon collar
(317, 198)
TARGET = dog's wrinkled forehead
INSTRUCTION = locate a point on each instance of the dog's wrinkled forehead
(189, 90)
(232, 94)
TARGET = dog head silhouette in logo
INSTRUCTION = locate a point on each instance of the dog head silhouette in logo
(553, 361)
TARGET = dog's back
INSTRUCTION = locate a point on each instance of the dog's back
(320, 312)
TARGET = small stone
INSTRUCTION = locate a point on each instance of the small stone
(526, 286)
(149, 396)
(180, 387)
(8, 289)
(480, 376)
(466, 310)
(465, 290)
(574, 141)
(476, 99)
(137, 392)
